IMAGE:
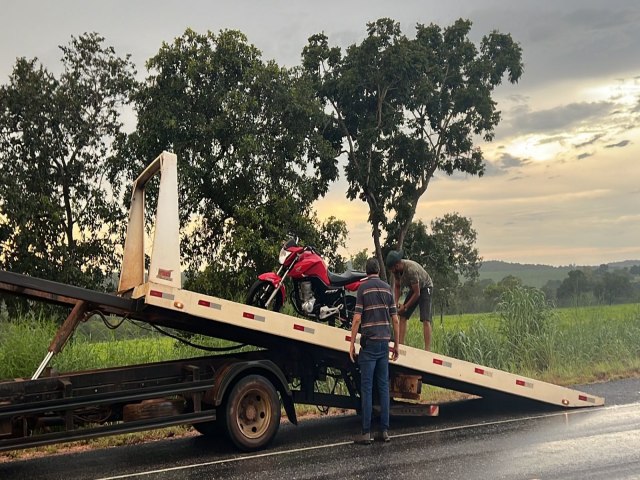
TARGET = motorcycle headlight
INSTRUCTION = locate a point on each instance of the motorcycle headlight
(284, 254)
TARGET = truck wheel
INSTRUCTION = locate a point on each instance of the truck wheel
(212, 428)
(209, 429)
(252, 413)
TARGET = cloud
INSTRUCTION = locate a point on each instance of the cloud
(560, 118)
(552, 139)
(503, 165)
(620, 144)
(591, 141)
(584, 155)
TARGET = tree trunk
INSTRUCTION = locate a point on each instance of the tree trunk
(378, 247)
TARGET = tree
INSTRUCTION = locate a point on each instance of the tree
(59, 214)
(574, 287)
(359, 260)
(333, 233)
(471, 298)
(407, 108)
(550, 290)
(614, 286)
(494, 292)
(253, 144)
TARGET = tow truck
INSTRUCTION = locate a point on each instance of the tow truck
(237, 394)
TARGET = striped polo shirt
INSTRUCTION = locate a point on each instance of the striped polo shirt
(374, 301)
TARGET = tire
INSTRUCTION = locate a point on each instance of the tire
(252, 413)
(212, 428)
(350, 303)
(260, 292)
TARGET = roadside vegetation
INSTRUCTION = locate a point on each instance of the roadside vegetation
(566, 346)
(525, 334)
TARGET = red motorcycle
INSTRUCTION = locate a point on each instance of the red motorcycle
(317, 293)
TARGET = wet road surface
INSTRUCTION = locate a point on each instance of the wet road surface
(470, 440)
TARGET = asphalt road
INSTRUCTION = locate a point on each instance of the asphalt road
(469, 440)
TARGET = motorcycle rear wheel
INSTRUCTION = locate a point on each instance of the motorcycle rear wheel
(260, 292)
(347, 319)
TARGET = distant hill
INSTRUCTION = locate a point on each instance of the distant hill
(536, 275)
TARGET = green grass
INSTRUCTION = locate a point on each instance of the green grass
(566, 346)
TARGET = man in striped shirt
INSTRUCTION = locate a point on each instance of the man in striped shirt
(375, 310)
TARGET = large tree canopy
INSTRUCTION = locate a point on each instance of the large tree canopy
(407, 108)
(58, 212)
(253, 145)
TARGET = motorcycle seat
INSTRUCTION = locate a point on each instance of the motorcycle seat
(342, 279)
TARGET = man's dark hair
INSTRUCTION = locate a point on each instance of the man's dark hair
(372, 266)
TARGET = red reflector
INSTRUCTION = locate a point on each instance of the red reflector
(155, 293)
(582, 397)
(248, 315)
(480, 371)
(347, 338)
(520, 382)
(204, 303)
(298, 327)
(437, 361)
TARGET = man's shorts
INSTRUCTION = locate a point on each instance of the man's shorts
(425, 306)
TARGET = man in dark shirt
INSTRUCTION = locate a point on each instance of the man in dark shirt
(375, 309)
(410, 275)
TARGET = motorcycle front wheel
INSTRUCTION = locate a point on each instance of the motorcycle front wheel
(260, 292)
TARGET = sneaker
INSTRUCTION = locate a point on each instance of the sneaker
(363, 439)
(385, 436)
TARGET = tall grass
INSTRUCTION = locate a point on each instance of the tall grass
(23, 345)
(525, 335)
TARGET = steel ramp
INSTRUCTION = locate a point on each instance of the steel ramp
(237, 321)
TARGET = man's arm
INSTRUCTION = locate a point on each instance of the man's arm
(396, 337)
(396, 290)
(413, 298)
(355, 325)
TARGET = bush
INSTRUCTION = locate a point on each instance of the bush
(24, 343)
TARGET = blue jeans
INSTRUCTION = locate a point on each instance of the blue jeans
(374, 362)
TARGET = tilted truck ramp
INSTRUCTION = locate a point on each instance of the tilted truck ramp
(234, 321)
(163, 305)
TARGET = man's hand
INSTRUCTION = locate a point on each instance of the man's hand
(394, 352)
(355, 325)
(401, 308)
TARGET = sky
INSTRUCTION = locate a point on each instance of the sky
(562, 184)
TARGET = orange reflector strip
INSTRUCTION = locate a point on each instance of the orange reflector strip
(582, 397)
(204, 303)
(437, 361)
(248, 315)
(298, 327)
(479, 370)
(155, 293)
